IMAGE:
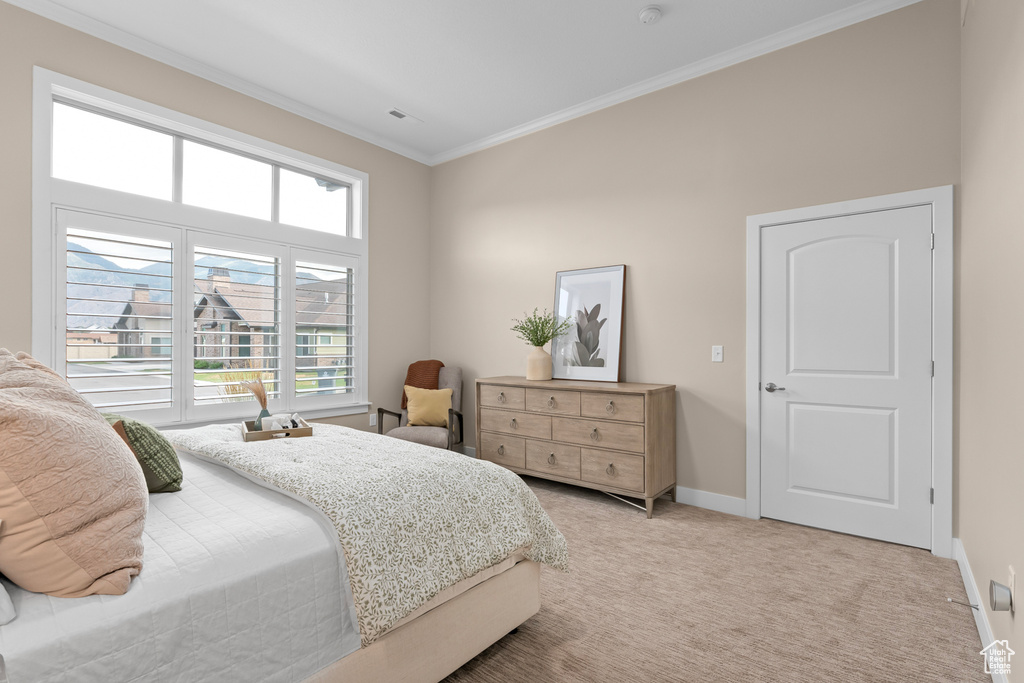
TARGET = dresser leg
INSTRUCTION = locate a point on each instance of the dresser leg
(672, 493)
(650, 507)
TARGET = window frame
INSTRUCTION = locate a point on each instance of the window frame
(238, 233)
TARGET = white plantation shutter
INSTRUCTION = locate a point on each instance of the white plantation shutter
(236, 325)
(119, 319)
(325, 330)
(139, 338)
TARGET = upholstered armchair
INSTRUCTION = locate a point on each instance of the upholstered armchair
(439, 437)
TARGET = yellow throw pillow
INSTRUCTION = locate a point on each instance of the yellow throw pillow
(428, 407)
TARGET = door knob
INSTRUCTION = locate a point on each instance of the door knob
(770, 387)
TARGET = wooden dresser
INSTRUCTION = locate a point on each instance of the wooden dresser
(615, 437)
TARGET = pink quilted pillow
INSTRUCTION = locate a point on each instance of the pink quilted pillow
(73, 499)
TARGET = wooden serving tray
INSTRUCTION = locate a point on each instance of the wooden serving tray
(250, 433)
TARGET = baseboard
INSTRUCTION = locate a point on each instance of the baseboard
(469, 450)
(974, 597)
(730, 505)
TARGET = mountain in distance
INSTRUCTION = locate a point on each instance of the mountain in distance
(87, 258)
(101, 306)
(91, 303)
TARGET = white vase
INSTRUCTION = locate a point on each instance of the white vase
(538, 364)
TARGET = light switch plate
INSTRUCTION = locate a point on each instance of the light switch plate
(1013, 590)
(717, 354)
(373, 419)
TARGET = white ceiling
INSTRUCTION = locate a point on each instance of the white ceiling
(473, 72)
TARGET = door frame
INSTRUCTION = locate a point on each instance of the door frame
(941, 201)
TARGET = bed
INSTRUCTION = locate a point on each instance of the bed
(244, 579)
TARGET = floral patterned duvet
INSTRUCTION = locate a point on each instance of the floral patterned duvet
(412, 520)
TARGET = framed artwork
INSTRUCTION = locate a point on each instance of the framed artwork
(592, 299)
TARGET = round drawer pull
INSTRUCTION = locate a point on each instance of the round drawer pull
(501, 449)
(610, 470)
(501, 397)
(594, 435)
(610, 408)
(551, 459)
(551, 402)
(513, 424)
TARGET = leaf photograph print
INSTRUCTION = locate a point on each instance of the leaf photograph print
(586, 351)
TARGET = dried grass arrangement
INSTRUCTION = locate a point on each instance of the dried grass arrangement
(260, 392)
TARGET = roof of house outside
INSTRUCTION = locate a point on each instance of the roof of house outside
(321, 304)
(317, 304)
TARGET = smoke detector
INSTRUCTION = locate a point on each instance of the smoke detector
(650, 14)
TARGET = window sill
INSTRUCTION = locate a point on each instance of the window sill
(341, 411)
(351, 409)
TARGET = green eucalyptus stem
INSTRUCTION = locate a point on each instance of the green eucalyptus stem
(538, 330)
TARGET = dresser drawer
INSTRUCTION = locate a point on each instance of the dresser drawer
(520, 424)
(509, 451)
(620, 470)
(553, 458)
(613, 407)
(554, 402)
(615, 435)
(502, 397)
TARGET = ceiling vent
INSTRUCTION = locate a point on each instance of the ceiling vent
(404, 116)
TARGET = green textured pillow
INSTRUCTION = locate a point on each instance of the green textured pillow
(155, 453)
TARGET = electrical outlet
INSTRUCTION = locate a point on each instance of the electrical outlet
(1012, 584)
(373, 419)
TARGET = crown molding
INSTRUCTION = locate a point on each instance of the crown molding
(811, 29)
(110, 34)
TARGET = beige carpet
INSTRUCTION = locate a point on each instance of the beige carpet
(694, 595)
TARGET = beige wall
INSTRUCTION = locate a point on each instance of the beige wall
(399, 188)
(991, 303)
(664, 184)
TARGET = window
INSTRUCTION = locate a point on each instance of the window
(167, 305)
(237, 295)
(215, 179)
(323, 304)
(95, 148)
(314, 203)
(119, 309)
(106, 152)
(162, 346)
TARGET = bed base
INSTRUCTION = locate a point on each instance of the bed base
(438, 642)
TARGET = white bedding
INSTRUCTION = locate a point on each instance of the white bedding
(239, 583)
(413, 520)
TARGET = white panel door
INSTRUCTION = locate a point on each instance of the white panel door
(846, 339)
